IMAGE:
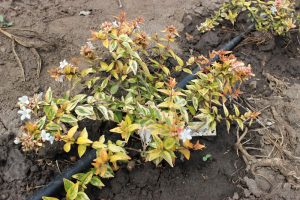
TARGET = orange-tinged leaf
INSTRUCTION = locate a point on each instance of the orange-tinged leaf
(188, 144)
(198, 146)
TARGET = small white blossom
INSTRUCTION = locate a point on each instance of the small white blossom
(24, 100)
(185, 134)
(25, 113)
(61, 78)
(17, 140)
(115, 24)
(63, 64)
(90, 45)
(47, 137)
(145, 135)
(273, 9)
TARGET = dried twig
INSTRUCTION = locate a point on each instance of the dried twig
(13, 44)
(27, 45)
(120, 4)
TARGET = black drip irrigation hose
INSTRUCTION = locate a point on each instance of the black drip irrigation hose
(57, 184)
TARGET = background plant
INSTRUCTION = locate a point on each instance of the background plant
(275, 16)
(133, 87)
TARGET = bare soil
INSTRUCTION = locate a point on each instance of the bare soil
(59, 32)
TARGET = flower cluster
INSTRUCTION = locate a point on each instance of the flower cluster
(64, 71)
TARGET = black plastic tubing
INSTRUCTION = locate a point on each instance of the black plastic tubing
(57, 184)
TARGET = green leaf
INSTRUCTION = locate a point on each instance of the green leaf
(167, 157)
(133, 66)
(40, 124)
(195, 102)
(114, 148)
(225, 110)
(104, 111)
(186, 70)
(82, 196)
(86, 178)
(68, 184)
(95, 181)
(206, 157)
(50, 111)
(104, 83)
(103, 66)
(51, 126)
(240, 123)
(169, 143)
(87, 71)
(114, 89)
(69, 119)
(113, 45)
(78, 176)
(84, 110)
(72, 191)
(48, 95)
(49, 198)
(228, 125)
(119, 157)
(75, 100)
(236, 110)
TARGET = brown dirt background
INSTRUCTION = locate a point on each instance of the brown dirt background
(60, 32)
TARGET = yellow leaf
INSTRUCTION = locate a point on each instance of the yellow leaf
(116, 130)
(119, 156)
(153, 154)
(72, 131)
(114, 148)
(133, 127)
(103, 65)
(67, 147)
(84, 133)
(98, 145)
(83, 141)
(105, 43)
(185, 152)
(81, 149)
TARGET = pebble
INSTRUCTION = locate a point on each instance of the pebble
(187, 20)
(253, 85)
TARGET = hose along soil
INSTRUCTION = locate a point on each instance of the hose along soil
(55, 185)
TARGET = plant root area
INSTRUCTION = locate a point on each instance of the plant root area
(260, 162)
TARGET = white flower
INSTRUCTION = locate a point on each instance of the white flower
(63, 64)
(17, 140)
(47, 137)
(185, 134)
(273, 9)
(90, 45)
(115, 24)
(145, 135)
(25, 113)
(24, 100)
(61, 78)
